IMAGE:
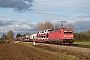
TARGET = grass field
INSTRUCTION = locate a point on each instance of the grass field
(82, 43)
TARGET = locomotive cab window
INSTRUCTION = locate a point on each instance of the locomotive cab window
(67, 31)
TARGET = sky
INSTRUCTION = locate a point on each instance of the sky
(23, 15)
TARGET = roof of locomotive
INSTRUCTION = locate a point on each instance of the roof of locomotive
(62, 29)
(66, 28)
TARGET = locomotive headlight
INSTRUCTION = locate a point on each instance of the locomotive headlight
(65, 36)
(71, 36)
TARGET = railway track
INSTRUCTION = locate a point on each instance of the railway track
(78, 45)
(72, 45)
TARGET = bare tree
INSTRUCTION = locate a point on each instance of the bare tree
(45, 25)
(40, 26)
(10, 35)
(57, 26)
(70, 26)
(4, 37)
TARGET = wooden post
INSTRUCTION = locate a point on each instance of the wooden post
(21, 39)
(33, 41)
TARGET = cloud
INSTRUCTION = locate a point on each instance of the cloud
(4, 22)
(82, 6)
(17, 5)
(22, 21)
(56, 14)
(79, 24)
(16, 26)
(62, 9)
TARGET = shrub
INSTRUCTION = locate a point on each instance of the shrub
(2, 41)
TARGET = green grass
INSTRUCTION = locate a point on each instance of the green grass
(67, 57)
(82, 43)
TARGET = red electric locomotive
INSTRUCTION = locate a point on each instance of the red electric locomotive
(62, 36)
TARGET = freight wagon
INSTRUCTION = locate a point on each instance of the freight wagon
(33, 36)
(42, 36)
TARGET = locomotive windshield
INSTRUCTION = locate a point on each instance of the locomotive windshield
(68, 31)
